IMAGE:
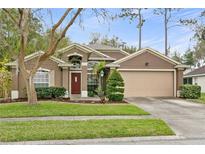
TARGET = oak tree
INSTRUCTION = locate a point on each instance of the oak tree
(21, 22)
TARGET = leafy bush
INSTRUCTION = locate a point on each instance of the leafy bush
(5, 78)
(190, 91)
(91, 93)
(5, 82)
(50, 92)
(58, 91)
(44, 92)
(115, 86)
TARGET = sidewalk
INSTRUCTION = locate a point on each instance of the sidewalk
(76, 118)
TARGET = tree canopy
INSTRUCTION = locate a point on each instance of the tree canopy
(38, 36)
(197, 53)
(114, 41)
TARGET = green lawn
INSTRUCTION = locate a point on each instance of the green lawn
(61, 130)
(202, 98)
(65, 109)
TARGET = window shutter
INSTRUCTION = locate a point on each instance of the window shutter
(52, 78)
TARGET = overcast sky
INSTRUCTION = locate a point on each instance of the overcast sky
(152, 33)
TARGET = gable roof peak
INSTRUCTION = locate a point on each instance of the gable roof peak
(85, 49)
(33, 55)
(150, 50)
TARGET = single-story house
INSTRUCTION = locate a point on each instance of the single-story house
(196, 76)
(146, 72)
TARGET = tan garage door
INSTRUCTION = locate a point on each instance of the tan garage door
(154, 84)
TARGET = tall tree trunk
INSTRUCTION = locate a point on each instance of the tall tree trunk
(140, 29)
(22, 24)
(165, 31)
(31, 92)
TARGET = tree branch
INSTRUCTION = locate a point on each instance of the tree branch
(61, 19)
(70, 23)
(23, 26)
(11, 16)
(53, 45)
(57, 25)
(177, 25)
(62, 35)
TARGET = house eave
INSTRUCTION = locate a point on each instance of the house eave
(64, 65)
(113, 65)
(34, 55)
(99, 58)
(114, 50)
(182, 66)
(194, 75)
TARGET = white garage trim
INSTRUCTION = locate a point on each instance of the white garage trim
(175, 82)
(155, 70)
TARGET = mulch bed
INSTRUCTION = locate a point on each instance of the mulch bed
(67, 100)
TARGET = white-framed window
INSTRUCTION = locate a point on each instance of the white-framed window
(75, 60)
(41, 78)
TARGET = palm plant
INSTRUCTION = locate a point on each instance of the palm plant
(99, 71)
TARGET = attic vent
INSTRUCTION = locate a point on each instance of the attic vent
(146, 64)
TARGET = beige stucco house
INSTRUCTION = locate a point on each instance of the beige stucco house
(196, 77)
(145, 73)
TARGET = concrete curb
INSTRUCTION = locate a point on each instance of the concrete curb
(96, 141)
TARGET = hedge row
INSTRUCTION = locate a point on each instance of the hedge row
(50, 92)
(190, 91)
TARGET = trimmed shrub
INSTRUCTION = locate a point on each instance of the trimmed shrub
(57, 91)
(50, 92)
(115, 86)
(43, 92)
(91, 93)
(190, 91)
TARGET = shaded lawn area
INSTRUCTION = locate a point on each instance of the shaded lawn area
(61, 130)
(202, 98)
(65, 109)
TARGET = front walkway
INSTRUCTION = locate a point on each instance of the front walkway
(77, 97)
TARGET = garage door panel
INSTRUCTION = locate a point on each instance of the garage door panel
(155, 84)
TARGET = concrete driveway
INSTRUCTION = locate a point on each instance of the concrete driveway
(187, 119)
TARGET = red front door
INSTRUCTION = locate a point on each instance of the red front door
(75, 83)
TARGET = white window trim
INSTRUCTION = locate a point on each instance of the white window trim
(49, 78)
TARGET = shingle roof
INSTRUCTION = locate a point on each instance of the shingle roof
(102, 47)
(200, 70)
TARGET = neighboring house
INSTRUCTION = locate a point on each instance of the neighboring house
(145, 73)
(196, 76)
